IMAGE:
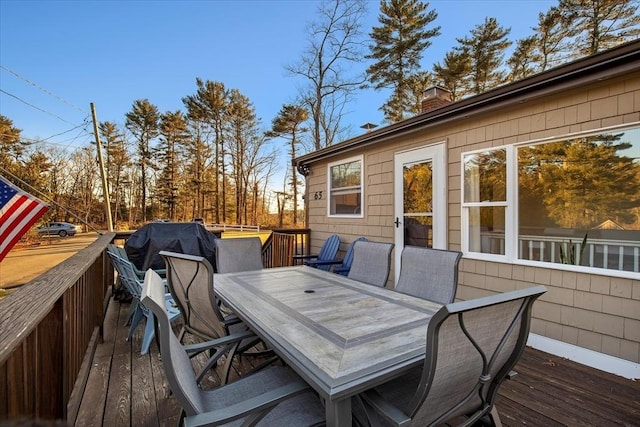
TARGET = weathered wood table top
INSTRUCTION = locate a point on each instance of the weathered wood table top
(340, 335)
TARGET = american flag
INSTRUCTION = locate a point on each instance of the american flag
(18, 212)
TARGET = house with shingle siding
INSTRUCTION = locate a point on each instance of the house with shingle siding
(519, 179)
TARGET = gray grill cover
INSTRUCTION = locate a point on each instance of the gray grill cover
(191, 238)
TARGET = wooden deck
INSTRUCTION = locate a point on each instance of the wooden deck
(128, 389)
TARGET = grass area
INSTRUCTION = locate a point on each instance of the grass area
(263, 235)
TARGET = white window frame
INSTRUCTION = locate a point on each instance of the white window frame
(511, 233)
(362, 187)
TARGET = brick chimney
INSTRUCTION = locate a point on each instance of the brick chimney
(435, 97)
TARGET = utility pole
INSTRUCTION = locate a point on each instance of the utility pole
(103, 174)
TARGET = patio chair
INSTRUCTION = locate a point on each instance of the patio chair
(371, 262)
(429, 273)
(122, 253)
(342, 266)
(471, 348)
(273, 396)
(190, 281)
(238, 254)
(138, 311)
(328, 251)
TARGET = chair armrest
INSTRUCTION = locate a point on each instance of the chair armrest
(305, 256)
(162, 272)
(323, 262)
(341, 270)
(231, 319)
(384, 408)
(259, 403)
(194, 349)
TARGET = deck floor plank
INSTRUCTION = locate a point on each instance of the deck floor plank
(548, 390)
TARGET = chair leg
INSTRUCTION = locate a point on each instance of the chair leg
(149, 333)
(132, 311)
(494, 417)
(137, 317)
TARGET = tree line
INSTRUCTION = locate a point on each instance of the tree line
(214, 159)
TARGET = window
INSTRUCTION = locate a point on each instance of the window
(572, 201)
(485, 198)
(345, 188)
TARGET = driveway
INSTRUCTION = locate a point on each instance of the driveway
(24, 264)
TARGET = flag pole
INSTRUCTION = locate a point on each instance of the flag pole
(105, 187)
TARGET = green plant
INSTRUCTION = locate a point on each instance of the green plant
(571, 257)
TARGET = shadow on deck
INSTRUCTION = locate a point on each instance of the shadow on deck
(126, 388)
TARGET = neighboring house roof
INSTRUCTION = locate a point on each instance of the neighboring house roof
(601, 66)
(609, 224)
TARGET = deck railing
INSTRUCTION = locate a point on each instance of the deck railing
(613, 254)
(270, 250)
(233, 227)
(48, 332)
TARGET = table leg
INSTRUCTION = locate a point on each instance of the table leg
(338, 413)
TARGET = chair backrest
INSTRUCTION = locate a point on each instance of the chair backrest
(118, 250)
(282, 249)
(238, 254)
(473, 345)
(176, 362)
(371, 262)
(190, 281)
(429, 273)
(329, 248)
(348, 256)
(328, 251)
(127, 274)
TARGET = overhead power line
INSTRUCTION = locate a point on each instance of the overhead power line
(37, 108)
(42, 89)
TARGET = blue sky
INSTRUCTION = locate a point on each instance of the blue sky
(60, 56)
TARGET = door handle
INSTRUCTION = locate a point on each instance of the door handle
(397, 222)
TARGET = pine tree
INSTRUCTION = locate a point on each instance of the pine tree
(552, 37)
(12, 146)
(524, 59)
(142, 122)
(117, 161)
(399, 45)
(209, 106)
(600, 24)
(174, 133)
(486, 47)
(453, 73)
(289, 125)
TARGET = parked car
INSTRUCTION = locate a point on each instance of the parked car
(61, 229)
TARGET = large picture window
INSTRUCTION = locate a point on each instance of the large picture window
(345, 188)
(572, 201)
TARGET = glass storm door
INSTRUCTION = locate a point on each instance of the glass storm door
(420, 200)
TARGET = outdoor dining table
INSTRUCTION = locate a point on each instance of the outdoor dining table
(341, 336)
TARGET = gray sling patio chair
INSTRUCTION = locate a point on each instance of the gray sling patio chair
(471, 348)
(271, 397)
(190, 281)
(429, 273)
(238, 254)
(371, 262)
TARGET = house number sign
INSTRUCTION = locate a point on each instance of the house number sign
(317, 195)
